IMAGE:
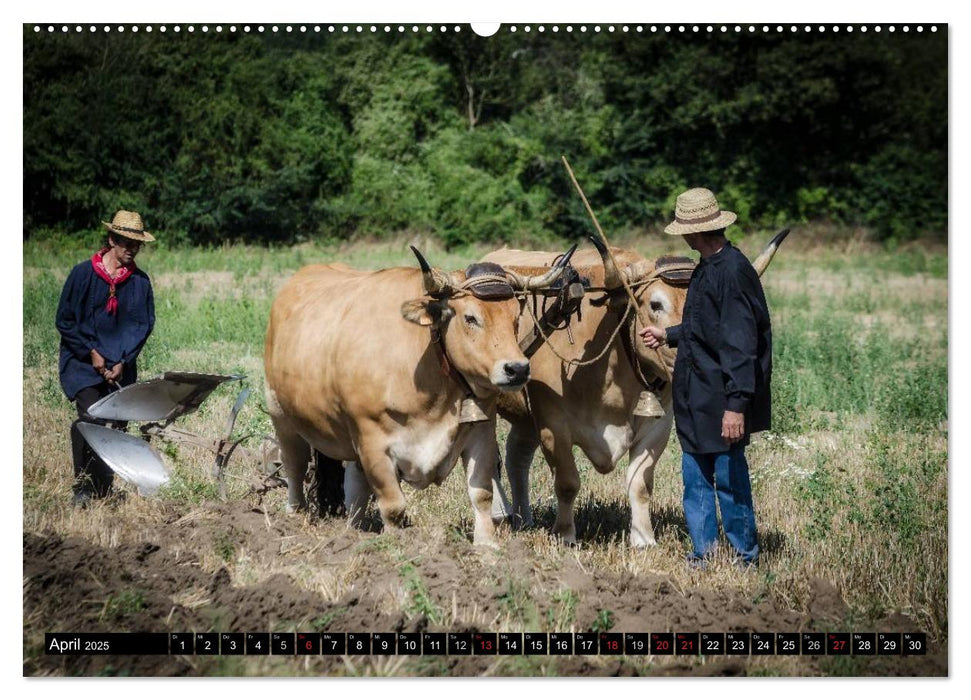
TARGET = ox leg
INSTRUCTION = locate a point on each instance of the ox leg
(330, 485)
(644, 455)
(481, 460)
(566, 482)
(382, 477)
(357, 493)
(296, 456)
(520, 447)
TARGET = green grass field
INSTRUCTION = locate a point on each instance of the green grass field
(851, 485)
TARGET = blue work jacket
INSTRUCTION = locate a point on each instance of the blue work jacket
(85, 324)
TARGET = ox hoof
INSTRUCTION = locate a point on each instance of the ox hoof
(395, 521)
(520, 523)
(295, 508)
(638, 542)
(567, 539)
(498, 523)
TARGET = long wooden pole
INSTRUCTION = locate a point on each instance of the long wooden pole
(603, 238)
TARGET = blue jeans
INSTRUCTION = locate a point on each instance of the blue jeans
(724, 474)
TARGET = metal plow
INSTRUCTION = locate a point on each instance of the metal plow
(158, 403)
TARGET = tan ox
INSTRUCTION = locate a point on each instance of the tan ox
(361, 367)
(595, 406)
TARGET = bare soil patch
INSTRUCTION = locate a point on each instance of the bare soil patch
(173, 582)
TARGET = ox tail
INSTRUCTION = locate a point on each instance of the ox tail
(766, 256)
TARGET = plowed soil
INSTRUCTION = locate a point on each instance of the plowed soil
(167, 583)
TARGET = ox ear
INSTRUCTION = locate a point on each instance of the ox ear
(427, 312)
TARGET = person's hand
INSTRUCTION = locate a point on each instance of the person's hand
(98, 362)
(113, 374)
(733, 427)
(653, 337)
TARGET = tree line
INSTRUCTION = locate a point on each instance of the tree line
(243, 137)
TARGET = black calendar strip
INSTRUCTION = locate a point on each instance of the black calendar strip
(487, 643)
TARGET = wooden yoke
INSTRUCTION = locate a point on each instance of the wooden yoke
(566, 304)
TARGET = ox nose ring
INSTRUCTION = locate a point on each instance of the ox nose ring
(517, 372)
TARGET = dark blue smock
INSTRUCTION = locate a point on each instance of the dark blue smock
(724, 358)
(85, 324)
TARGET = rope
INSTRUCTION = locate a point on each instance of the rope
(581, 363)
(572, 362)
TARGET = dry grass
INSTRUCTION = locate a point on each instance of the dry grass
(845, 497)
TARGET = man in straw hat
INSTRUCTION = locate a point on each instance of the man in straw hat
(721, 378)
(105, 315)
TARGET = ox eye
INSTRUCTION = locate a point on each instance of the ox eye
(471, 320)
(657, 306)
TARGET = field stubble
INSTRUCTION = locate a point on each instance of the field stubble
(850, 489)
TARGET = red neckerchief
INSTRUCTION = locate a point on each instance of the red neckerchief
(124, 272)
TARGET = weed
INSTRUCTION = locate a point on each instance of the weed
(561, 615)
(516, 602)
(604, 621)
(419, 602)
(323, 622)
(225, 547)
(127, 602)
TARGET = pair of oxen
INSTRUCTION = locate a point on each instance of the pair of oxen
(399, 373)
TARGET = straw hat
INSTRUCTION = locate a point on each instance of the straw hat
(696, 211)
(129, 225)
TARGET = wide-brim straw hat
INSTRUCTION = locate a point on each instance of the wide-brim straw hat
(129, 225)
(696, 211)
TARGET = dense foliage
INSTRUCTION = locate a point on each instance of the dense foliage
(282, 138)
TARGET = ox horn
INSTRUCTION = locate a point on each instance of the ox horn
(765, 257)
(612, 276)
(436, 284)
(544, 280)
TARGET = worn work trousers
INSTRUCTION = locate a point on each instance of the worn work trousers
(91, 474)
(721, 476)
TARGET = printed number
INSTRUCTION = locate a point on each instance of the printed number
(487, 644)
(838, 644)
(208, 645)
(433, 644)
(738, 644)
(662, 645)
(561, 645)
(687, 644)
(762, 645)
(460, 644)
(257, 646)
(914, 644)
(410, 645)
(613, 645)
(788, 645)
(232, 645)
(865, 645)
(813, 645)
(586, 644)
(889, 644)
(182, 645)
(637, 644)
(283, 644)
(713, 645)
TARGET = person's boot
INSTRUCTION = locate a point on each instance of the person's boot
(82, 497)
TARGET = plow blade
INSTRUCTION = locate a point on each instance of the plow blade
(130, 457)
(165, 398)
